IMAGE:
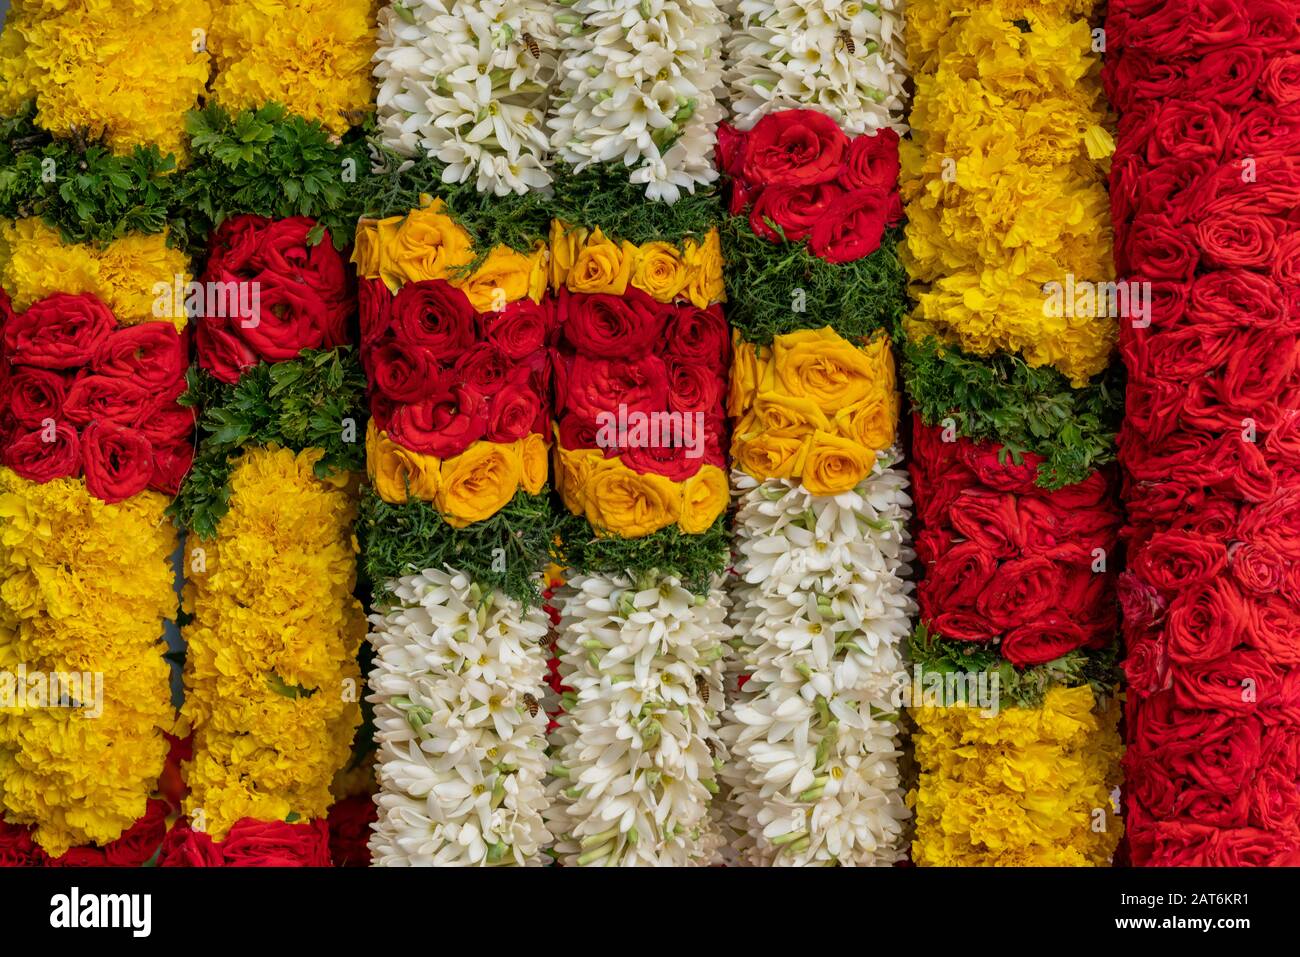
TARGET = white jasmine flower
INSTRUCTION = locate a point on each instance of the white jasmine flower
(458, 674)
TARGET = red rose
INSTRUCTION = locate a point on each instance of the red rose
(288, 318)
(99, 397)
(521, 329)
(852, 227)
(603, 326)
(1205, 622)
(963, 626)
(1241, 297)
(602, 385)
(436, 315)
(512, 413)
(17, 849)
(485, 369)
(165, 423)
(699, 336)
(956, 580)
(1173, 561)
(444, 425)
(672, 462)
(693, 388)
(1021, 591)
(34, 395)
(375, 311)
(793, 209)
(1258, 567)
(1240, 682)
(404, 372)
(118, 461)
(794, 147)
(58, 332)
(184, 847)
(44, 454)
(581, 432)
(1246, 240)
(253, 843)
(171, 463)
(990, 520)
(1160, 249)
(142, 839)
(150, 354)
(349, 825)
(1042, 640)
(1281, 79)
(222, 353)
(872, 162)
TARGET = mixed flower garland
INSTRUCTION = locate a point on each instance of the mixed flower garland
(821, 604)
(456, 348)
(1203, 201)
(1018, 532)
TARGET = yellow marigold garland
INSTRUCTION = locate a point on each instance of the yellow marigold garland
(312, 56)
(272, 682)
(1003, 179)
(1027, 787)
(812, 407)
(127, 274)
(84, 587)
(126, 70)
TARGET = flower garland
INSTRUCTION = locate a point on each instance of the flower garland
(469, 84)
(250, 843)
(1203, 203)
(640, 366)
(457, 531)
(80, 63)
(310, 56)
(1018, 532)
(271, 677)
(638, 85)
(814, 282)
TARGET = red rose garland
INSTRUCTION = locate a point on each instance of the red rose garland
(1006, 560)
(1205, 192)
(83, 395)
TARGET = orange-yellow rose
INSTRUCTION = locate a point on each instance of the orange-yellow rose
(531, 450)
(835, 464)
(502, 279)
(367, 248)
(478, 483)
(602, 265)
(573, 471)
(630, 504)
(745, 371)
(428, 244)
(397, 473)
(873, 422)
(539, 262)
(821, 365)
(566, 240)
(771, 456)
(660, 271)
(705, 286)
(787, 414)
(704, 498)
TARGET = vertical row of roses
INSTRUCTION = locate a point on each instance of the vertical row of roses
(93, 443)
(821, 604)
(1018, 526)
(1203, 197)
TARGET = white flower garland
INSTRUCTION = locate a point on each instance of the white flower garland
(470, 84)
(844, 58)
(813, 736)
(461, 763)
(640, 82)
(638, 752)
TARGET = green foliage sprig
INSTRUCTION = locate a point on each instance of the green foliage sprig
(1003, 399)
(695, 559)
(298, 404)
(82, 190)
(269, 163)
(1024, 687)
(778, 288)
(507, 551)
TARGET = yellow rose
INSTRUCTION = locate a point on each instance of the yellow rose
(835, 464)
(602, 266)
(366, 249)
(704, 498)
(397, 473)
(573, 471)
(531, 450)
(873, 422)
(503, 278)
(820, 365)
(478, 483)
(428, 244)
(881, 356)
(744, 376)
(660, 271)
(630, 504)
(705, 263)
(537, 274)
(566, 240)
(788, 414)
(771, 456)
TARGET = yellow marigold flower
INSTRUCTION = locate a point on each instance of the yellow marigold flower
(85, 587)
(602, 265)
(1028, 786)
(313, 56)
(135, 276)
(272, 682)
(125, 71)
